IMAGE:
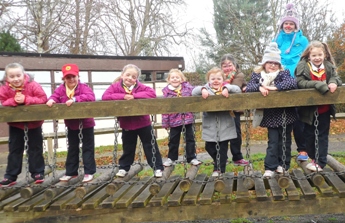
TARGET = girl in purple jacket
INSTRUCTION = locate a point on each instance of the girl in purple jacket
(18, 88)
(179, 87)
(128, 88)
(69, 92)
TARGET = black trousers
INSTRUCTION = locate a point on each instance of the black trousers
(16, 150)
(88, 151)
(211, 148)
(129, 142)
(236, 143)
(174, 142)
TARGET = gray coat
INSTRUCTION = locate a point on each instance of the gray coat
(217, 126)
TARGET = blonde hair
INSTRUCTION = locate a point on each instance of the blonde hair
(214, 70)
(128, 66)
(318, 44)
(178, 72)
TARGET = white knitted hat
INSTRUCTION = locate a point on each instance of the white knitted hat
(290, 14)
(271, 53)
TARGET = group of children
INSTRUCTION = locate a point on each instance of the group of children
(311, 67)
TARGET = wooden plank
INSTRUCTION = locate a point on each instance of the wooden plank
(27, 206)
(142, 199)
(61, 203)
(303, 184)
(207, 194)
(260, 190)
(9, 200)
(242, 193)
(276, 191)
(227, 192)
(96, 199)
(47, 202)
(334, 180)
(167, 189)
(175, 198)
(134, 191)
(77, 201)
(193, 193)
(110, 201)
(137, 107)
(292, 192)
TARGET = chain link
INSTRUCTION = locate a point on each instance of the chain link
(26, 149)
(80, 135)
(247, 133)
(217, 144)
(284, 141)
(56, 128)
(184, 144)
(316, 124)
(153, 144)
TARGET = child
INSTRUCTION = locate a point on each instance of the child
(270, 76)
(218, 128)
(128, 87)
(317, 69)
(19, 88)
(69, 92)
(292, 43)
(179, 87)
(233, 75)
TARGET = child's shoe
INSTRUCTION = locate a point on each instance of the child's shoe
(280, 169)
(313, 166)
(302, 156)
(121, 173)
(158, 173)
(7, 183)
(39, 178)
(216, 174)
(66, 178)
(168, 162)
(268, 174)
(241, 162)
(87, 178)
(195, 162)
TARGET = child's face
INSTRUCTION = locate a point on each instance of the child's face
(216, 80)
(15, 77)
(129, 77)
(71, 80)
(228, 66)
(271, 66)
(316, 56)
(289, 26)
(175, 79)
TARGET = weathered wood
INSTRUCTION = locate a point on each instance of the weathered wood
(157, 185)
(248, 181)
(9, 200)
(59, 188)
(192, 195)
(316, 178)
(276, 191)
(142, 199)
(333, 180)
(226, 194)
(161, 198)
(291, 191)
(171, 105)
(27, 206)
(95, 200)
(260, 190)
(242, 193)
(303, 184)
(118, 182)
(190, 175)
(110, 201)
(175, 198)
(207, 194)
(61, 203)
(336, 166)
(92, 185)
(41, 207)
(133, 192)
(283, 180)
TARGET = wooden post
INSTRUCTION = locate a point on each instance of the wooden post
(190, 175)
(60, 187)
(156, 186)
(317, 178)
(119, 182)
(248, 181)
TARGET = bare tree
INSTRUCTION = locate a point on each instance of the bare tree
(142, 27)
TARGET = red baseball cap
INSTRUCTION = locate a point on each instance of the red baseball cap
(70, 69)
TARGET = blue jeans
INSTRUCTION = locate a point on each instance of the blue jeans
(274, 153)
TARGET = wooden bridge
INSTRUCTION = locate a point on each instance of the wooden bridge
(172, 198)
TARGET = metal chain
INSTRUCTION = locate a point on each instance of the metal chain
(284, 140)
(194, 135)
(247, 133)
(116, 143)
(56, 128)
(80, 135)
(316, 124)
(217, 145)
(153, 144)
(26, 149)
(140, 154)
(184, 144)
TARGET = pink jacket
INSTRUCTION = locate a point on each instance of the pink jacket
(82, 93)
(140, 91)
(34, 94)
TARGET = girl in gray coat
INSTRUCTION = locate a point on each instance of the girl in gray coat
(217, 127)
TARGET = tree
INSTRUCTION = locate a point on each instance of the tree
(8, 43)
(337, 47)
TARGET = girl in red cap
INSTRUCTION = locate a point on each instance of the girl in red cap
(69, 92)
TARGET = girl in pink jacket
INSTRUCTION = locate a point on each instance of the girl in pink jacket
(128, 88)
(18, 88)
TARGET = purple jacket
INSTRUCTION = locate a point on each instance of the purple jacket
(177, 119)
(34, 94)
(82, 93)
(140, 91)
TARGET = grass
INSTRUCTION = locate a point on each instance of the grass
(105, 153)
